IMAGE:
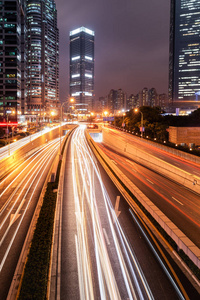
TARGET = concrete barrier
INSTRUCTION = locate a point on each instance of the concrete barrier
(19, 155)
(120, 144)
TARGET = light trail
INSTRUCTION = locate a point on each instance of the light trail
(25, 191)
(117, 278)
(32, 158)
(20, 143)
(185, 210)
(179, 293)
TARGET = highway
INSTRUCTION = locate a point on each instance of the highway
(19, 194)
(105, 252)
(178, 203)
(181, 163)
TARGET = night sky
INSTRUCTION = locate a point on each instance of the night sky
(131, 42)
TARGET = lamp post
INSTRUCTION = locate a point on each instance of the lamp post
(105, 114)
(123, 125)
(136, 110)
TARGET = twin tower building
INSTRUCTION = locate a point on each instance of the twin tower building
(29, 61)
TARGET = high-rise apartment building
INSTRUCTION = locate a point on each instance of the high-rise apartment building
(153, 97)
(42, 57)
(82, 68)
(184, 59)
(12, 60)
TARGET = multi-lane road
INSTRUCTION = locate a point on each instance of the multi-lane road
(19, 193)
(105, 253)
(181, 205)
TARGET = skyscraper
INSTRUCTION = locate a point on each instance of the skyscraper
(184, 58)
(82, 68)
(12, 59)
(42, 57)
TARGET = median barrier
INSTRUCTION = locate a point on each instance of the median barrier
(127, 188)
(127, 148)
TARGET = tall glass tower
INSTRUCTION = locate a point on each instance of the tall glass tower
(184, 59)
(12, 60)
(82, 68)
(42, 57)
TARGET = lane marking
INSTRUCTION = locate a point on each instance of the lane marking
(149, 181)
(130, 162)
(177, 201)
(114, 161)
(106, 236)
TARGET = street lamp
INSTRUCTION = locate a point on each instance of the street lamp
(105, 113)
(136, 110)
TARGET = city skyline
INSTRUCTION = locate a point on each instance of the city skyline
(132, 43)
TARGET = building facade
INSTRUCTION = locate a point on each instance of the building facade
(82, 68)
(12, 60)
(42, 57)
(184, 57)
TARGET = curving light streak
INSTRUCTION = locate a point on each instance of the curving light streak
(18, 144)
(158, 258)
(32, 158)
(90, 194)
(26, 183)
(36, 179)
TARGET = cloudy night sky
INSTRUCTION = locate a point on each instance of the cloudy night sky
(131, 42)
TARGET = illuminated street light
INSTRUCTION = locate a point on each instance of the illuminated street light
(136, 110)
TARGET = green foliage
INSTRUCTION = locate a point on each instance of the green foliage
(2, 131)
(2, 143)
(35, 278)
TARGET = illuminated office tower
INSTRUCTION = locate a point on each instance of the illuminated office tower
(82, 68)
(42, 57)
(12, 60)
(184, 58)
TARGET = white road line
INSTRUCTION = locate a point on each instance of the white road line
(130, 162)
(106, 236)
(177, 201)
(113, 161)
(149, 181)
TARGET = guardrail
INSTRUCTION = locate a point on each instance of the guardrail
(118, 143)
